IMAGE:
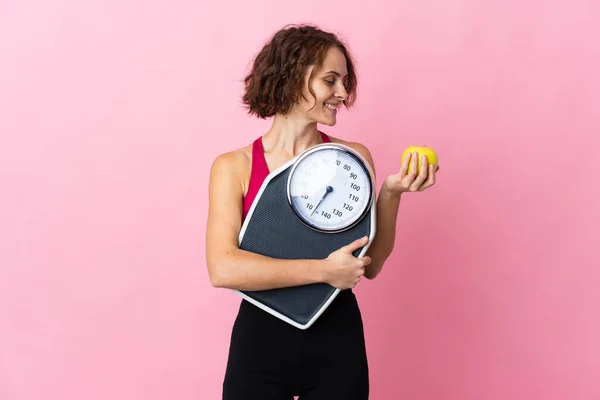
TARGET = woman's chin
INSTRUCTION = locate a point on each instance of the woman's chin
(328, 121)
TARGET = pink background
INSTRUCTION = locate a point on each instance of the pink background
(111, 113)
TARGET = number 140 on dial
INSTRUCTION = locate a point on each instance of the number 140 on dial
(330, 188)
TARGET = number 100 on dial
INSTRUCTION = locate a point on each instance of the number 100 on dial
(330, 187)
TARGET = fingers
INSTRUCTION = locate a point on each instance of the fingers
(416, 183)
(360, 275)
(414, 164)
(406, 176)
(409, 178)
(426, 176)
(430, 179)
(357, 244)
(405, 164)
(366, 260)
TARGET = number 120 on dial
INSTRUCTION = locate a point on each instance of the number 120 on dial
(330, 187)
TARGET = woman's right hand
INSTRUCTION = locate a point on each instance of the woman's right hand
(343, 270)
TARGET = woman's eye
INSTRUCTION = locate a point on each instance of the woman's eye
(330, 83)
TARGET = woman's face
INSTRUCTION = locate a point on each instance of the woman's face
(328, 87)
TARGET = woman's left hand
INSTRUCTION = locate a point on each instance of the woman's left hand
(411, 182)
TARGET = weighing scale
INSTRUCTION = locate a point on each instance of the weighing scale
(311, 206)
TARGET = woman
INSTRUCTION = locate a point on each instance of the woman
(300, 78)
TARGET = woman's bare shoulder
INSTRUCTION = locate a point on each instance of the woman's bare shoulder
(233, 166)
(235, 160)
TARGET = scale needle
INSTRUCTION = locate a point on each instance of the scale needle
(328, 190)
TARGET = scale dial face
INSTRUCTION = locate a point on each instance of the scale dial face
(330, 187)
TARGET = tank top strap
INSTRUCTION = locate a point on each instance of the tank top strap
(260, 170)
(259, 163)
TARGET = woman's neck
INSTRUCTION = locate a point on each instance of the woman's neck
(291, 136)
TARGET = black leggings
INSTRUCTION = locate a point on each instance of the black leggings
(272, 360)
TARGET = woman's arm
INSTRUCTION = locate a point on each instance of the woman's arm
(382, 246)
(228, 265)
(234, 268)
(388, 203)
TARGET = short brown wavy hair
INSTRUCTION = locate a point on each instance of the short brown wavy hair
(275, 82)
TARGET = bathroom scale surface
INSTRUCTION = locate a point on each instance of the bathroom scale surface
(308, 208)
